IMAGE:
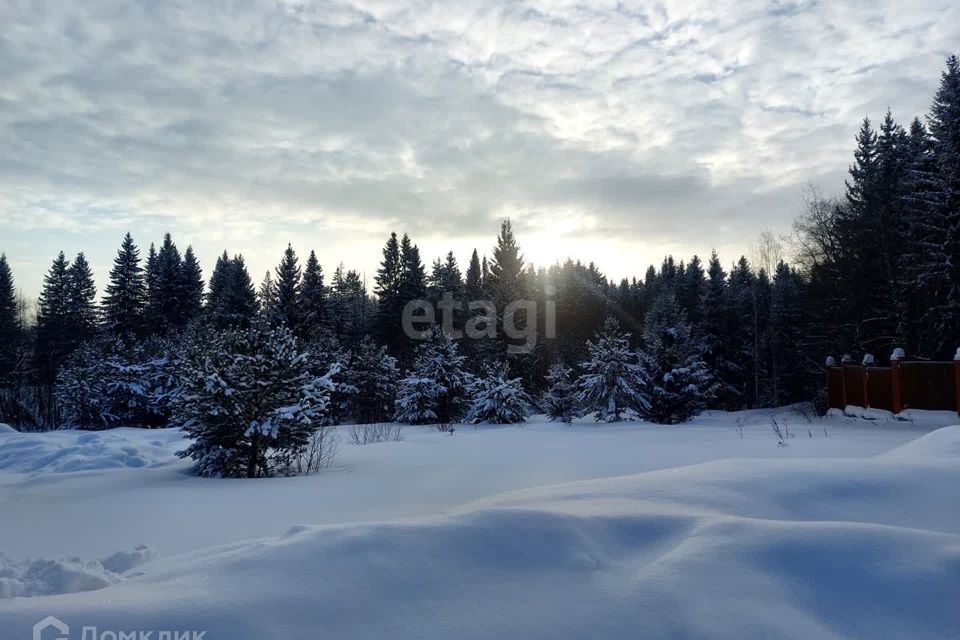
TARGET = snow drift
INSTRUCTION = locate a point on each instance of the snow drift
(829, 548)
(67, 575)
(68, 451)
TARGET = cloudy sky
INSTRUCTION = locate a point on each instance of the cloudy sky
(609, 131)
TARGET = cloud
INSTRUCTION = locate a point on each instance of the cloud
(244, 126)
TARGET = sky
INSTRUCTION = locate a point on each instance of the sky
(608, 131)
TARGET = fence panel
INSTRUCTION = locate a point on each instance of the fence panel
(835, 387)
(854, 379)
(929, 385)
(880, 387)
(922, 385)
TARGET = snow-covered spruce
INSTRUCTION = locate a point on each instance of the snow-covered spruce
(250, 402)
(677, 376)
(560, 401)
(614, 382)
(107, 383)
(328, 357)
(438, 388)
(373, 374)
(498, 400)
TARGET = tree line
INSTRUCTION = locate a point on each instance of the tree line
(874, 269)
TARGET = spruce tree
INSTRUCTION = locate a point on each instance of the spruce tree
(690, 291)
(250, 403)
(719, 350)
(743, 333)
(241, 299)
(267, 298)
(389, 301)
(613, 383)
(163, 288)
(288, 289)
(232, 301)
(944, 125)
(191, 288)
(786, 344)
(473, 286)
(437, 390)
(373, 374)
(312, 298)
(82, 299)
(413, 279)
(497, 399)
(678, 379)
(10, 324)
(560, 400)
(56, 338)
(126, 293)
(219, 281)
(504, 283)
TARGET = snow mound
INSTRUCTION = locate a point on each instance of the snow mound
(942, 443)
(802, 548)
(5, 428)
(67, 575)
(67, 451)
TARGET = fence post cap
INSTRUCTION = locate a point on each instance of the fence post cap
(956, 357)
(846, 359)
(868, 359)
(831, 361)
(898, 354)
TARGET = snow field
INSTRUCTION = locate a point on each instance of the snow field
(701, 534)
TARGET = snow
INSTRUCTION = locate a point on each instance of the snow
(66, 451)
(535, 531)
(67, 575)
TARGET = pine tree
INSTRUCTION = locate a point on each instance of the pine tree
(678, 378)
(10, 322)
(613, 382)
(82, 299)
(498, 400)
(288, 289)
(126, 294)
(191, 288)
(560, 400)
(250, 403)
(313, 296)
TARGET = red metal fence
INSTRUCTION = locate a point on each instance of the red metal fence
(902, 385)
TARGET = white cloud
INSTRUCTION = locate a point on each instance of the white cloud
(646, 129)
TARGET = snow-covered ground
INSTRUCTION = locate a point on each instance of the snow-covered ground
(534, 531)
